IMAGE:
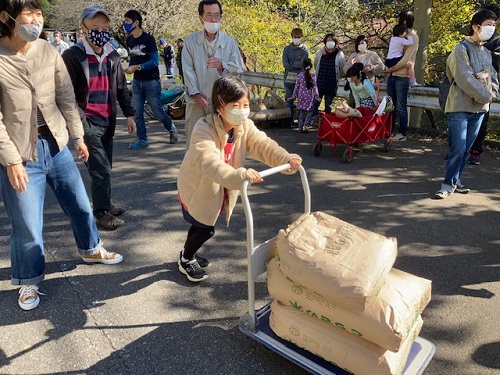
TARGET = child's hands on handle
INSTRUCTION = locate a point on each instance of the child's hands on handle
(253, 176)
(295, 163)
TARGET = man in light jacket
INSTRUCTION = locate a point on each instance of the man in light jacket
(207, 55)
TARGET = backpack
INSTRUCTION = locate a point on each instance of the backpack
(444, 87)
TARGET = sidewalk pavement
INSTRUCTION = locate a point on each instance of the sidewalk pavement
(143, 317)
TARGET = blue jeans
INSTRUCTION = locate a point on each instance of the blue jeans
(169, 70)
(397, 89)
(150, 91)
(290, 103)
(481, 135)
(328, 104)
(58, 170)
(462, 131)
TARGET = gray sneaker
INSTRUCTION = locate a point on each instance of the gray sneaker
(461, 189)
(399, 138)
(174, 136)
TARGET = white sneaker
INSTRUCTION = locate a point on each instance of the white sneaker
(29, 297)
(399, 138)
(442, 194)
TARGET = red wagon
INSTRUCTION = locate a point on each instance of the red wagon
(353, 130)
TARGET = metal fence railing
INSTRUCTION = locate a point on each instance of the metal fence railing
(419, 97)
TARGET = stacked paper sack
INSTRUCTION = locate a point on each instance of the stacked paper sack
(336, 295)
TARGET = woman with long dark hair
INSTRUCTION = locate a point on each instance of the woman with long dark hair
(361, 87)
(307, 95)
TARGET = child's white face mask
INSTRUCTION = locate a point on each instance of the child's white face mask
(237, 116)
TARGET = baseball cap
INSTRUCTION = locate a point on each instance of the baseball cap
(91, 11)
(162, 41)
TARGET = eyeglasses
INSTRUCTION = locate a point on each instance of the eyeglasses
(31, 13)
(212, 16)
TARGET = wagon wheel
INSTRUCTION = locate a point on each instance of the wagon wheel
(318, 147)
(348, 155)
(387, 144)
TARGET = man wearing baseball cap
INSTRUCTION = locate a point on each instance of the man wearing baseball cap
(168, 56)
(99, 82)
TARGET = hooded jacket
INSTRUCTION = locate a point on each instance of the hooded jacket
(467, 94)
(77, 64)
(203, 174)
(293, 56)
(36, 79)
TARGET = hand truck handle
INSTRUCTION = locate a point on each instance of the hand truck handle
(250, 319)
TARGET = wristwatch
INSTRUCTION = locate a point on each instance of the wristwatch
(140, 67)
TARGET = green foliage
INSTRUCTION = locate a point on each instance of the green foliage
(46, 6)
(262, 35)
(449, 24)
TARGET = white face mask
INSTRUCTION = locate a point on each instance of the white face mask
(211, 27)
(28, 31)
(362, 47)
(237, 116)
(297, 41)
(330, 44)
(486, 32)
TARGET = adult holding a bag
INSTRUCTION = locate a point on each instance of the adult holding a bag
(475, 85)
(373, 64)
(294, 55)
(329, 64)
